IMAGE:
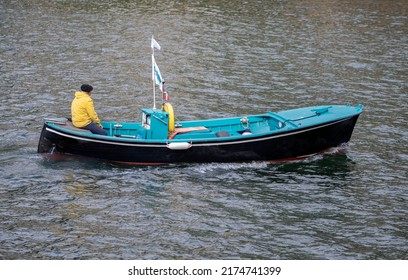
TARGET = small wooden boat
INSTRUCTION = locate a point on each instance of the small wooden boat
(158, 139)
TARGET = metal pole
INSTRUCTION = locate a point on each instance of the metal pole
(153, 83)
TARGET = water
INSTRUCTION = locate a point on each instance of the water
(219, 58)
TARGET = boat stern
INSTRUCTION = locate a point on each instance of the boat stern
(44, 145)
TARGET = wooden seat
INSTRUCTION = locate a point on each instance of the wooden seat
(185, 130)
(69, 125)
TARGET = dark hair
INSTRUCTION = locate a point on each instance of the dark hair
(86, 88)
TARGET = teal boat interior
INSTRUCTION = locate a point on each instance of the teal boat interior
(158, 125)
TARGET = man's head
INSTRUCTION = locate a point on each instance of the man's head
(86, 88)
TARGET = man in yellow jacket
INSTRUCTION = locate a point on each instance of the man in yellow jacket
(83, 111)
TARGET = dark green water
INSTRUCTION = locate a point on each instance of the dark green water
(219, 58)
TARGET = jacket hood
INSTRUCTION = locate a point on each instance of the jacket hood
(81, 94)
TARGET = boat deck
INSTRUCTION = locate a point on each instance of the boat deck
(231, 128)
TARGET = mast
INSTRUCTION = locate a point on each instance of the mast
(157, 75)
(154, 85)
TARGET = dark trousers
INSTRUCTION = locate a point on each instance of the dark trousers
(95, 129)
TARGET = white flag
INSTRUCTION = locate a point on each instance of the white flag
(154, 44)
(157, 77)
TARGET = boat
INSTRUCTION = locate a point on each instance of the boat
(158, 139)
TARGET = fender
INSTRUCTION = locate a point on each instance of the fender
(169, 109)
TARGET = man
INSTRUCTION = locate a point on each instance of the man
(83, 111)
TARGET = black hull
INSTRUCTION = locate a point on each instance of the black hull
(286, 145)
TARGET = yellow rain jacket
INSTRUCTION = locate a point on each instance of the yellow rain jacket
(83, 111)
